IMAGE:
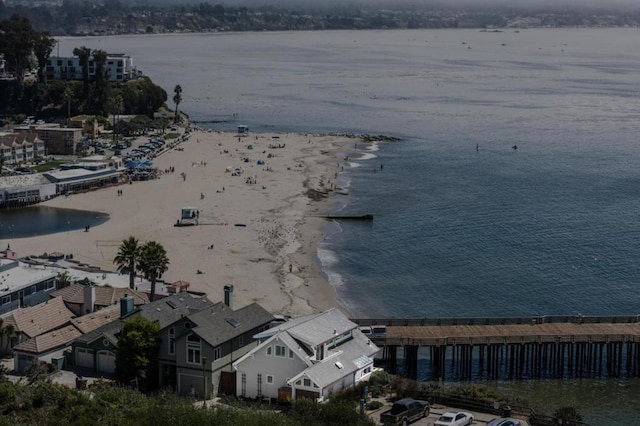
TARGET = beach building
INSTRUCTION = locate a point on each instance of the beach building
(23, 190)
(22, 286)
(16, 148)
(75, 180)
(57, 140)
(119, 66)
(307, 357)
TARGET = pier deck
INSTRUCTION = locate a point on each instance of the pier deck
(511, 348)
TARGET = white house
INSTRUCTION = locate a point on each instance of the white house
(309, 357)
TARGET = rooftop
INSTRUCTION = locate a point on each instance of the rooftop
(105, 295)
(94, 320)
(39, 319)
(49, 341)
(15, 275)
(220, 323)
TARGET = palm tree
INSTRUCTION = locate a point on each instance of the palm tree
(127, 259)
(153, 262)
(177, 98)
(63, 280)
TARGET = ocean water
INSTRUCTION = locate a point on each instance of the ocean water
(465, 225)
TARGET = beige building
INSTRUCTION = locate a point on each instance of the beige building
(57, 140)
(88, 124)
(16, 148)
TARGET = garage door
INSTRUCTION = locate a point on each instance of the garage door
(84, 358)
(106, 362)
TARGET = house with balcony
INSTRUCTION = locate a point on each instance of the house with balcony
(16, 148)
(309, 357)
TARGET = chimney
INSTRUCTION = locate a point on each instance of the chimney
(126, 305)
(89, 299)
(228, 295)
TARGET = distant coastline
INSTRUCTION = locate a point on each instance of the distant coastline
(204, 18)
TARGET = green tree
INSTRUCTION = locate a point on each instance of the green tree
(177, 98)
(153, 262)
(101, 84)
(42, 48)
(16, 44)
(127, 259)
(84, 54)
(137, 352)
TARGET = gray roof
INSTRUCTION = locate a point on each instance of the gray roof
(219, 323)
(351, 356)
(170, 309)
(108, 331)
(314, 329)
(165, 311)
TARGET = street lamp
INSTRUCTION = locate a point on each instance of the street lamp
(204, 381)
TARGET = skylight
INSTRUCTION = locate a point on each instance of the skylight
(234, 322)
(339, 365)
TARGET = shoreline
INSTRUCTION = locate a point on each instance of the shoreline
(276, 204)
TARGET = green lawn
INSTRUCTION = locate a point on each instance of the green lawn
(53, 164)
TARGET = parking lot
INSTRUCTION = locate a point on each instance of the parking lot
(480, 419)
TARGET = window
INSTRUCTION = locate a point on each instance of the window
(269, 350)
(307, 383)
(243, 378)
(240, 342)
(172, 341)
(290, 354)
(280, 351)
(269, 379)
(259, 393)
(50, 285)
(6, 299)
(216, 353)
(33, 289)
(193, 349)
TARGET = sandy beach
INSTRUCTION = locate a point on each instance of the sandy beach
(272, 201)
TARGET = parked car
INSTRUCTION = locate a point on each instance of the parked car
(504, 421)
(404, 411)
(455, 419)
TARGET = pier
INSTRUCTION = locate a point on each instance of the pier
(509, 348)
